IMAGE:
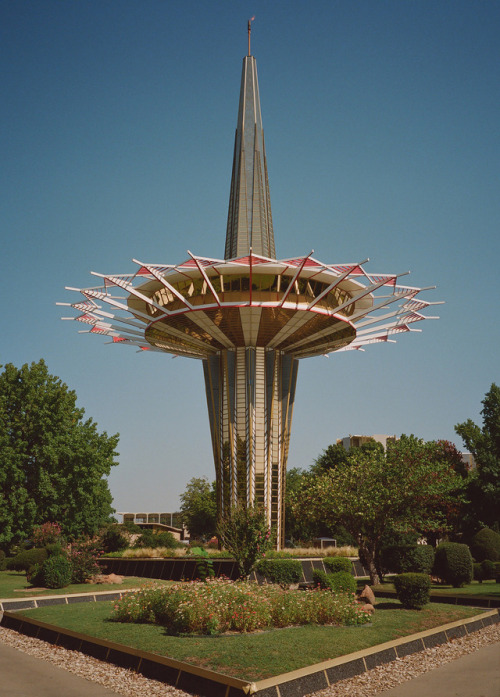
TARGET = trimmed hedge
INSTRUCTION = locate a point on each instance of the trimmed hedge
(335, 564)
(27, 559)
(282, 571)
(413, 590)
(486, 545)
(485, 571)
(453, 564)
(338, 582)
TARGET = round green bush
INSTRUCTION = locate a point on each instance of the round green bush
(486, 545)
(453, 564)
(478, 572)
(284, 572)
(488, 569)
(335, 564)
(413, 590)
(56, 572)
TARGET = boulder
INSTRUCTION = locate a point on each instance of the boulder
(368, 607)
(107, 578)
(367, 596)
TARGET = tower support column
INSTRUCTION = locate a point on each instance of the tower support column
(250, 396)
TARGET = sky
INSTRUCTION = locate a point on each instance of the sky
(382, 137)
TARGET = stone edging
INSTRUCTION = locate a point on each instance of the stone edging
(14, 604)
(208, 683)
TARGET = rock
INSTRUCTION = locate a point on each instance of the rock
(107, 578)
(367, 595)
(368, 607)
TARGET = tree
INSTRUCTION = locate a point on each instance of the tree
(245, 533)
(199, 508)
(336, 455)
(484, 444)
(53, 464)
(406, 489)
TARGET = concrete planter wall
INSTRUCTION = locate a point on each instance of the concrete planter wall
(184, 568)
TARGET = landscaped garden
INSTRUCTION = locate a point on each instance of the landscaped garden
(253, 655)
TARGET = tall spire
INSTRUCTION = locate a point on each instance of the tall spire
(249, 220)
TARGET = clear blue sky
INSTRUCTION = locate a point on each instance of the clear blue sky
(382, 135)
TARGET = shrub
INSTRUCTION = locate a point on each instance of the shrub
(413, 590)
(83, 556)
(488, 569)
(204, 565)
(342, 582)
(54, 549)
(27, 558)
(112, 540)
(3, 561)
(221, 606)
(284, 572)
(419, 559)
(153, 540)
(244, 532)
(45, 534)
(131, 527)
(486, 545)
(453, 564)
(56, 572)
(338, 582)
(334, 564)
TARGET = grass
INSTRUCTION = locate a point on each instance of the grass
(258, 655)
(13, 584)
(486, 588)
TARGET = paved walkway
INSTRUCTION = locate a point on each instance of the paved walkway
(22, 675)
(474, 675)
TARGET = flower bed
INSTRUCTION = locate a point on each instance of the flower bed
(219, 605)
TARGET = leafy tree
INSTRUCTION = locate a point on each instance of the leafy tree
(53, 463)
(484, 444)
(199, 508)
(336, 455)
(302, 529)
(408, 488)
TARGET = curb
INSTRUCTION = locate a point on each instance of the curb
(13, 604)
(207, 683)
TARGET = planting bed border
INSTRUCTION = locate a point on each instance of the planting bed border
(207, 683)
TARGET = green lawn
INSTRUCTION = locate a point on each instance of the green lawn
(13, 584)
(258, 655)
(486, 588)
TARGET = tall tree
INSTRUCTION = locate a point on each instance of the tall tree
(53, 463)
(484, 444)
(199, 508)
(408, 488)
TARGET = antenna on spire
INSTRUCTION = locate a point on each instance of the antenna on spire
(249, 32)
